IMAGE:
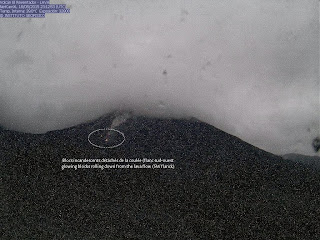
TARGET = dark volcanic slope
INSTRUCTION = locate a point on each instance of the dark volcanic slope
(312, 161)
(221, 187)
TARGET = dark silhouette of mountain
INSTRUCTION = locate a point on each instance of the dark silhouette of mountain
(220, 188)
(312, 161)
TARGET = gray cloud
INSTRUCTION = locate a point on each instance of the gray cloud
(248, 67)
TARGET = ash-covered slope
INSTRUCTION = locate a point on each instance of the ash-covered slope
(312, 161)
(220, 188)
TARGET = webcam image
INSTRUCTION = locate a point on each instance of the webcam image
(159, 119)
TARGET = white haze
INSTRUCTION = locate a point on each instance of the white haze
(248, 67)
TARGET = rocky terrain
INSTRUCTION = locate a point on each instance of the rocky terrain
(220, 187)
(312, 161)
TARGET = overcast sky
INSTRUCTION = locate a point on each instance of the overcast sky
(248, 67)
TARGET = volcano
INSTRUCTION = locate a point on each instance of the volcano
(169, 179)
